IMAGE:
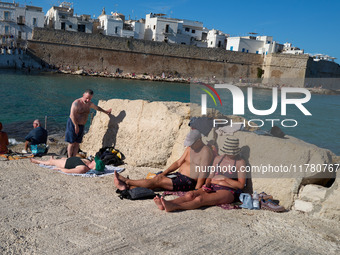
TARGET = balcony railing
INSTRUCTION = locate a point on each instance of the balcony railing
(7, 19)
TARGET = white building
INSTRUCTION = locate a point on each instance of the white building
(17, 23)
(115, 25)
(61, 17)
(289, 49)
(216, 39)
(318, 57)
(250, 44)
(162, 29)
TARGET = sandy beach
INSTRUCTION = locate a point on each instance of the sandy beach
(46, 212)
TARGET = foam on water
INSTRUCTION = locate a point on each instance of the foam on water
(12, 141)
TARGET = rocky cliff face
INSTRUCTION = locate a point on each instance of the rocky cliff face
(152, 134)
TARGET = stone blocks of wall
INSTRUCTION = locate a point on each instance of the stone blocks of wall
(106, 53)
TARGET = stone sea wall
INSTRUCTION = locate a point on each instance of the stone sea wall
(152, 134)
(107, 53)
(75, 51)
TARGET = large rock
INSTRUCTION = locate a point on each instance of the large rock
(152, 134)
(148, 133)
(330, 207)
(261, 151)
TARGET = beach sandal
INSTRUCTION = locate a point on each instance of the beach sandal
(265, 196)
(271, 206)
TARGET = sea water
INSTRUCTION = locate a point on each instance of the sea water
(28, 97)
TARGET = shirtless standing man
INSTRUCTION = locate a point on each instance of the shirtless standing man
(196, 154)
(80, 110)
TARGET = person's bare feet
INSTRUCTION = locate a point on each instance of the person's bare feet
(168, 206)
(34, 161)
(121, 178)
(118, 183)
(158, 202)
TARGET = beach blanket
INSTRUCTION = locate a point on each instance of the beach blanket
(92, 173)
(16, 156)
(182, 193)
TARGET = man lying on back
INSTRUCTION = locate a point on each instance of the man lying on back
(196, 154)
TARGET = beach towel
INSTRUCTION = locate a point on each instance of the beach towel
(182, 193)
(16, 156)
(108, 170)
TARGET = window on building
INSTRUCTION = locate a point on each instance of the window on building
(19, 35)
(257, 52)
(21, 20)
(187, 29)
(193, 31)
(63, 26)
(7, 15)
(70, 26)
(183, 43)
(116, 30)
(247, 51)
(166, 28)
(243, 50)
(6, 30)
(34, 22)
(154, 27)
(211, 43)
(231, 48)
(81, 28)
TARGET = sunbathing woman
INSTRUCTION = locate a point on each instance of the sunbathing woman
(219, 187)
(72, 165)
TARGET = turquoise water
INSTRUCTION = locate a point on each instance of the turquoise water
(27, 97)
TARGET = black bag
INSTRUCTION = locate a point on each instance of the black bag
(136, 193)
(277, 132)
(111, 156)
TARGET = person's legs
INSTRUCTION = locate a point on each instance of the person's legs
(203, 199)
(72, 149)
(51, 162)
(159, 181)
(26, 145)
(186, 198)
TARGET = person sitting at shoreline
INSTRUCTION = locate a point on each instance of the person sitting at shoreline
(3, 141)
(72, 165)
(38, 135)
(196, 154)
(220, 187)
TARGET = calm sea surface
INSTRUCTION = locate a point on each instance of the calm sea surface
(27, 97)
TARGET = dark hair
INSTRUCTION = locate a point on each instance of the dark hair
(89, 91)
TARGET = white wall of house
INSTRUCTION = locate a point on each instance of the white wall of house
(289, 49)
(17, 23)
(62, 18)
(192, 29)
(138, 28)
(258, 45)
(162, 29)
(111, 25)
(216, 39)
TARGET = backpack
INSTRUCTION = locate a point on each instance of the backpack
(136, 193)
(111, 156)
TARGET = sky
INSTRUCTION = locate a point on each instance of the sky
(310, 25)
